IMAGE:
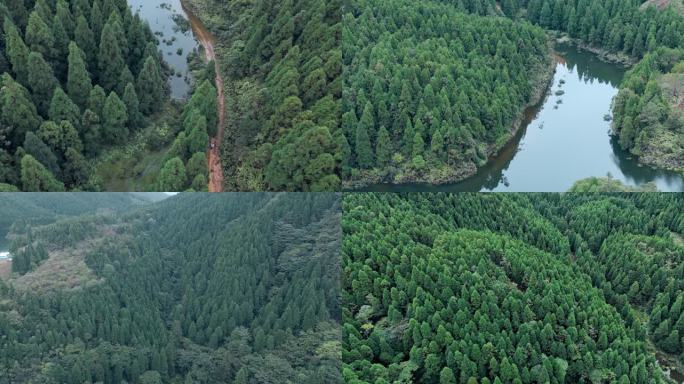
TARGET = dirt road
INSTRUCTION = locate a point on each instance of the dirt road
(214, 153)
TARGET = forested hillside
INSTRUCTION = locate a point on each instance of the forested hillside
(281, 62)
(534, 288)
(431, 91)
(221, 288)
(41, 208)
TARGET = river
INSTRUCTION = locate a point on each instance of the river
(563, 139)
(169, 22)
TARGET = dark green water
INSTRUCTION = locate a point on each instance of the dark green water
(176, 40)
(562, 143)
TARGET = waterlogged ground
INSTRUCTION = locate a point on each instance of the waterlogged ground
(176, 40)
(564, 139)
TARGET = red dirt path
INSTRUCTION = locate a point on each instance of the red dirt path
(214, 153)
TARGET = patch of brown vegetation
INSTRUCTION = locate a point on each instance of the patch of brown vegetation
(672, 86)
(5, 269)
(64, 269)
(662, 4)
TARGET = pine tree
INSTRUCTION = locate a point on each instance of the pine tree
(172, 177)
(197, 139)
(150, 87)
(35, 147)
(364, 153)
(91, 128)
(39, 36)
(130, 99)
(17, 111)
(63, 109)
(36, 178)
(197, 165)
(96, 19)
(383, 148)
(61, 49)
(42, 82)
(59, 137)
(43, 9)
(75, 168)
(17, 11)
(114, 120)
(79, 84)
(65, 17)
(204, 101)
(17, 52)
(125, 78)
(111, 58)
(437, 145)
(85, 40)
(418, 145)
(96, 101)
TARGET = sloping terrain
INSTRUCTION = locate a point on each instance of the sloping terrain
(201, 288)
(507, 288)
(43, 208)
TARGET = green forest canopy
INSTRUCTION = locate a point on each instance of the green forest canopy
(432, 87)
(511, 288)
(430, 91)
(42, 208)
(220, 288)
(79, 78)
(282, 64)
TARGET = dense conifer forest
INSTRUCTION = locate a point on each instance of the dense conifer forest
(430, 91)
(42, 208)
(81, 78)
(519, 288)
(432, 88)
(220, 288)
(281, 61)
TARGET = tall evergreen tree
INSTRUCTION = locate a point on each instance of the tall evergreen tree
(36, 178)
(17, 51)
(114, 120)
(62, 108)
(150, 86)
(172, 177)
(39, 36)
(111, 58)
(79, 84)
(130, 99)
(17, 111)
(41, 81)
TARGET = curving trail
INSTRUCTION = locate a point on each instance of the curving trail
(205, 38)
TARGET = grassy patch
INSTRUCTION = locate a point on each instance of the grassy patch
(135, 166)
(65, 269)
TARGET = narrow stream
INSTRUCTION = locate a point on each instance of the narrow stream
(564, 138)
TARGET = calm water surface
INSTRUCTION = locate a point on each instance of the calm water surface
(564, 139)
(174, 41)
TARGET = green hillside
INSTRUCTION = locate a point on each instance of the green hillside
(200, 288)
(532, 288)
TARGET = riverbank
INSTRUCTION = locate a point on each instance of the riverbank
(603, 54)
(404, 173)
